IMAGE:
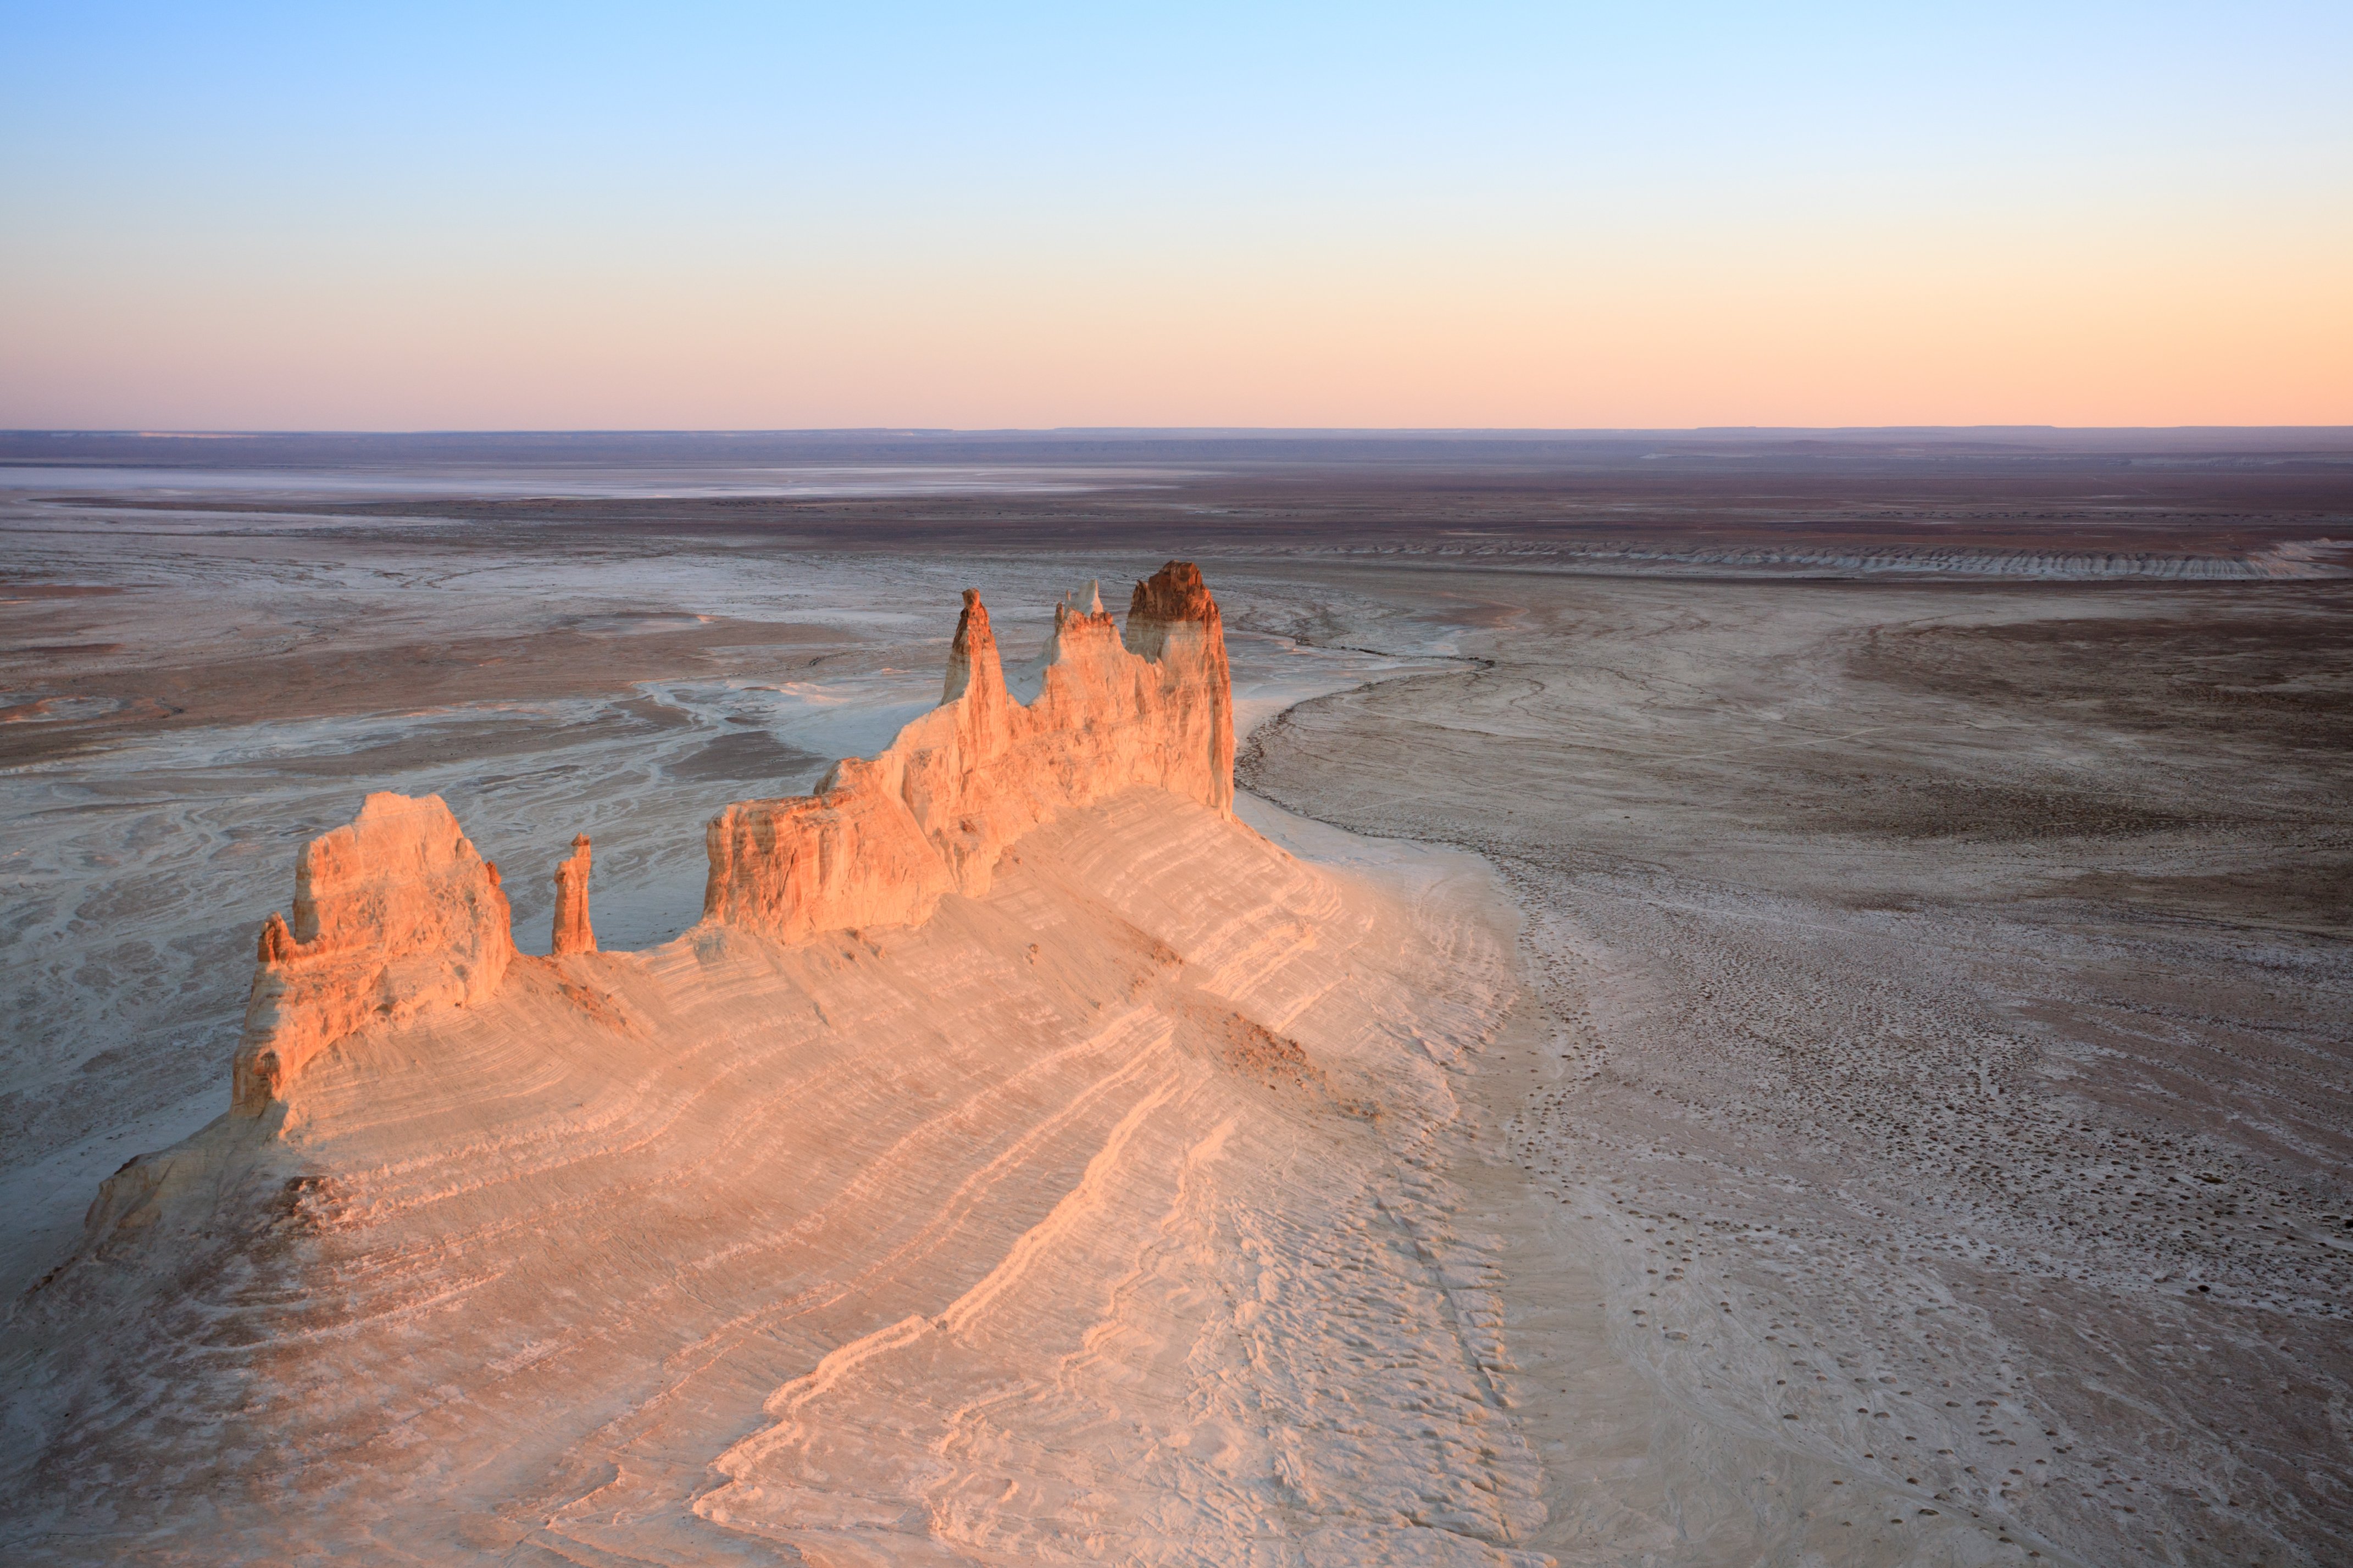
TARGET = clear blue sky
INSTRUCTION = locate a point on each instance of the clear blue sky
(231, 215)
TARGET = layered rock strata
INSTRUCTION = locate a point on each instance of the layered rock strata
(1107, 1213)
(393, 912)
(882, 841)
(398, 912)
(1112, 1216)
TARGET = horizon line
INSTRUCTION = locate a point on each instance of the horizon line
(1224, 431)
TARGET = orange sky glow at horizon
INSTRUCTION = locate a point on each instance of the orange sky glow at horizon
(1365, 224)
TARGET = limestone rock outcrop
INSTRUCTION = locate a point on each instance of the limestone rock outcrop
(393, 912)
(398, 912)
(573, 934)
(882, 840)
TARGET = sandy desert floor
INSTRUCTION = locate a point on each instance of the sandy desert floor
(1894, 1104)
(1945, 1000)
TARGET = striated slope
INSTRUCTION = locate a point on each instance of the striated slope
(1100, 1217)
(1099, 1210)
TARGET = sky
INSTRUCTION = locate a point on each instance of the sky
(584, 217)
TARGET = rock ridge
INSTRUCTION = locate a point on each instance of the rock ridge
(882, 840)
(397, 912)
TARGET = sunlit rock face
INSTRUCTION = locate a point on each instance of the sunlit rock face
(882, 840)
(1107, 1213)
(398, 912)
(393, 913)
(572, 931)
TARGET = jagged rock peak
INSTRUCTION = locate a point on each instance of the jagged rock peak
(1175, 592)
(398, 912)
(277, 941)
(883, 841)
(573, 934)
(975, 647)
(1067, 613)
(973, 630)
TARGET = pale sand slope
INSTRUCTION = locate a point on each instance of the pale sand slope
(1639, 1468)
(1103, 1217)
(1945, 1067)
(529, 684)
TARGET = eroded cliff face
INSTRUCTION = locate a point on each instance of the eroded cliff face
(393, 912)
(882, 840)
(1111, 1216)
(1107, 1213)
(397, 912)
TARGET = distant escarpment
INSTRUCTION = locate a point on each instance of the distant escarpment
(397, 912)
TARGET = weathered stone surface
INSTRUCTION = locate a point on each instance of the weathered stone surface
(883, 841)
(398, 912)
(393, 912)
(573, 934)
(724, 1250)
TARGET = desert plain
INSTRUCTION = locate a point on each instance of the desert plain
(1759, 998)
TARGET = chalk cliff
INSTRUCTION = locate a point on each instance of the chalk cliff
(397, 912)
(882, 840)
(393, 912)
(1104, 1213)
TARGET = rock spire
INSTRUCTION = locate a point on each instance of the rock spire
(397, 912)
(573, 934)
(882, 841)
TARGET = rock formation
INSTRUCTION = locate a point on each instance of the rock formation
(734, 1251)
(573, 933)
(392, 913)
(882, 840)
(1111, 1206)
(398, 912)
